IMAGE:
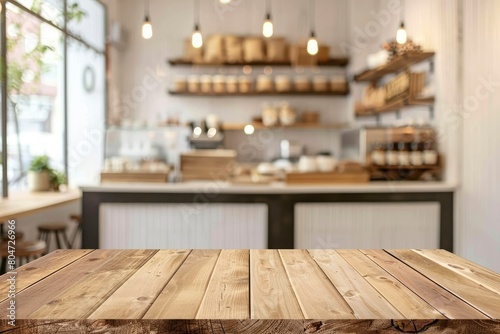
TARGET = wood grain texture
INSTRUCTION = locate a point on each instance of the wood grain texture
(466, 268)
(182, 296)
(252, 326)
(42, 292)
(271, 295)
(20, 204)
(140, 291)
(441, 299)
(81, 299)
(402, 298)
(41, 268)
(487, 301)
(364, 300)
(316, 295)
(227, 295)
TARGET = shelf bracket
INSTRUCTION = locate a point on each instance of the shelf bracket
(431, 112)
(377, 118)
(431, 66)
(398, 114)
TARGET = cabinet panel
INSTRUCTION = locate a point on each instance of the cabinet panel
(367, 225)
(198, 226)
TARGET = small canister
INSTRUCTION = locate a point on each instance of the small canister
(416, 155)
(219, 84)
(264, 83)
(206, 84)
(180, 84)
(430, 154)
(283, 83)
(302, 84)
(269, 115)
(403, 154)
(320, 84)
(338, 83)
(194, 84)
(231, 84)
(245, 84)
(288, 115)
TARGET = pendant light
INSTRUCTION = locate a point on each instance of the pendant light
(401, 36)
(312, 43)
(147, 28)
(197, 38)
(267, 27)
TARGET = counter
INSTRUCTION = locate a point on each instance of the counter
(273, 188)
(277, 216)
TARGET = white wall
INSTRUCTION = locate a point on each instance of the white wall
(173, 22)
(480, 117)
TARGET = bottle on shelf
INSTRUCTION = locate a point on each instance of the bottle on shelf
(403, 154)
(378, 154)
(391, 154)
(416, 156)
(430, 153)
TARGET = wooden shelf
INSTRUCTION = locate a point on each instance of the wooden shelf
(333, 62)
(291, 93)
(394, 66)
(423, 167)
(398, 105)
(303, 126)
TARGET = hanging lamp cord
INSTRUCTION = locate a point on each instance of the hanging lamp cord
(197, 13)
(312, 19)
(146, 9)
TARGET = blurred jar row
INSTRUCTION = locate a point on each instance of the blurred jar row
(263, 84)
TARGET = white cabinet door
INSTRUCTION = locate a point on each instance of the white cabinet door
(201, 226)
(367, 225)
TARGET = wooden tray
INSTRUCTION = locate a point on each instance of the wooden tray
(112, 177)
(322, 178)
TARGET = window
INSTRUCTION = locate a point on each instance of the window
(54, 78)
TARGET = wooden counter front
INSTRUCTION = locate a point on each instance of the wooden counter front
(257, 290)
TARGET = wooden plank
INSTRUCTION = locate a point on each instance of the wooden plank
(316, 295)
(39, 269)
(487, 278)
(442, 300)
(485, 300)
(227, 295)
(271, 294)
(140, 291)
(182, 296)
(365, 301)
(253, 326)
(81, 299)
(42, 292)
(403, 299)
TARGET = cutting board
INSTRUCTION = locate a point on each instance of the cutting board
(327, 178)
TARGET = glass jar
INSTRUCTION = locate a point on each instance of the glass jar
(378, 154)
(416, 155)
(391, 155)
(403, 154)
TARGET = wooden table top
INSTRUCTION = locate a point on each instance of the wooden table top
(26, 203)
(254, 284)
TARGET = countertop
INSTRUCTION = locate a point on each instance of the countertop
(292, 285)
(24, 203)
(274, 188)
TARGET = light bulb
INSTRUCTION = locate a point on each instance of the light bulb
(312, 45)
(267, 27)
(401, 36)
(147, 29)
(197, 38)
(249, 129)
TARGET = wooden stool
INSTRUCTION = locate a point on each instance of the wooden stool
(78, 220)
(25, 251)
(59, 231)
(5, 237)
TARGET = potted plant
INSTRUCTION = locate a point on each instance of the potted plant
(39, 174)
(57, 179)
